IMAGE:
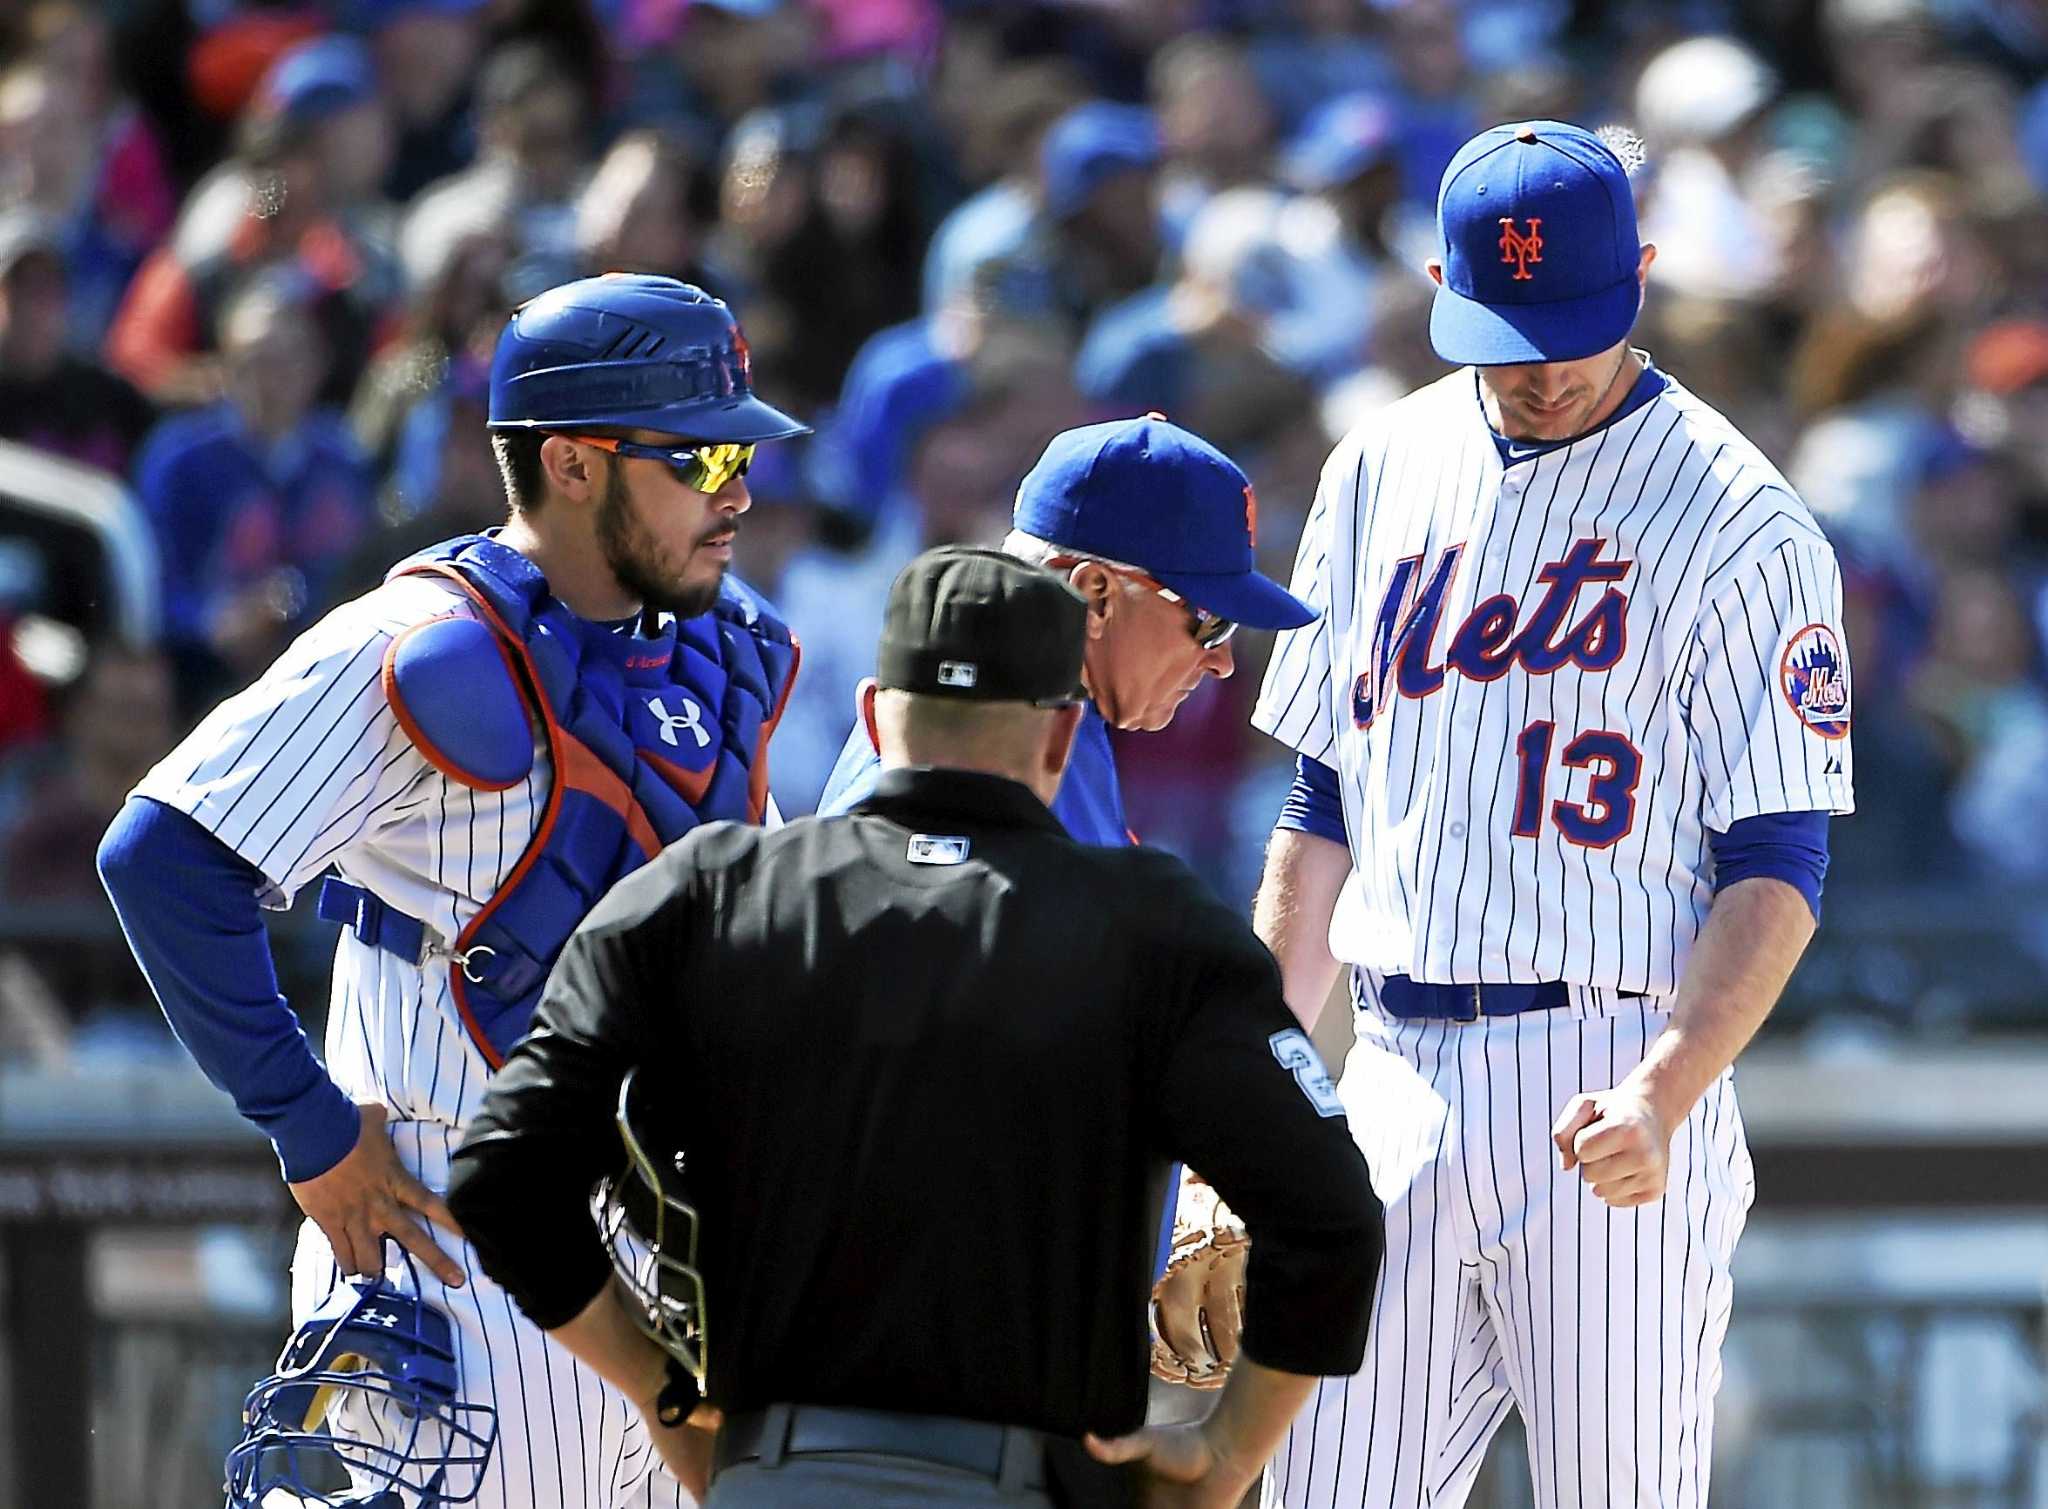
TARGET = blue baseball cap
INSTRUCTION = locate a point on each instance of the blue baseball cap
(1153, 495)
(1536, 229)
(1340, 139)
(319, 78)
(1088, 146)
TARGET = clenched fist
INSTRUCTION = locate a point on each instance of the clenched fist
(1619, 1144)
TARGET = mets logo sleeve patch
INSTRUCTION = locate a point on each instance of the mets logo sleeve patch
(1813, 674)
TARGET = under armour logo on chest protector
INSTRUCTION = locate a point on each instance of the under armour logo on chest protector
(690, 718)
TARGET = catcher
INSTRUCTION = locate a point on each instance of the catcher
(926, 1065)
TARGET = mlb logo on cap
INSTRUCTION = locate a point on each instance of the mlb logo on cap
(1537, 237)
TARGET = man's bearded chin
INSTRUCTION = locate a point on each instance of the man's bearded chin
(629, 552)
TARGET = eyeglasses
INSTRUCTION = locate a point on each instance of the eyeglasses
(1209, 630)
(706, 468)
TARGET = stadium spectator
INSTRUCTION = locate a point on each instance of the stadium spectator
(50, 397)
(441, 480)
(999, 132)
(1099, 184)
(453, 316)
(703, 67)
(1214, 121)
(426, 52)
(1435, 90)
(254, 500)
(531, 122)
(1700, 103)
(102, 173)
(279, 204)
(1223, 347)
(1315, 51)
(642, 209)
(2004, 402)
(114, 719)
(1979, 693)
(819, 219)
(61, 995)
(331, 84)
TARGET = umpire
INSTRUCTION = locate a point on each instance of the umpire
(929, 1063)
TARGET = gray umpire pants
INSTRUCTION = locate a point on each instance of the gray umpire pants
(857, 1481)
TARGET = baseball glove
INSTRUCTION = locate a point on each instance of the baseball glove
(1198, 1303)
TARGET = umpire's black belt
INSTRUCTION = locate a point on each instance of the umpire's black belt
(1411, 1000)
(1010, 1455)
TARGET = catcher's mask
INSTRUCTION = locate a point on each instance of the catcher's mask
(651, 1234)
(308, 1433)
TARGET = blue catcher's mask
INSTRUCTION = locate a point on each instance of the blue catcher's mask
(306, 1429)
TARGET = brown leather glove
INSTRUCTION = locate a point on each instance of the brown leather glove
(1198, 1303)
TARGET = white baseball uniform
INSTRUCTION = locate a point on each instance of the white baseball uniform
(309, 768)
(1542, 682)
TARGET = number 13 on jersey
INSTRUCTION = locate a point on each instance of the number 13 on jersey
(1609, 810)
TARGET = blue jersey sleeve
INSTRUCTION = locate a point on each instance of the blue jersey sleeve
(1313, 805)
(1787, 846)
(188, 904)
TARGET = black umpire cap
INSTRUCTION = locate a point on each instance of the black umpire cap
(982, 626)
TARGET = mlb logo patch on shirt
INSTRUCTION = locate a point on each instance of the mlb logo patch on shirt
(936, 849)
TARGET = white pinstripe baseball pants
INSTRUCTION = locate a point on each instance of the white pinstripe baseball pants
(1508, 1283)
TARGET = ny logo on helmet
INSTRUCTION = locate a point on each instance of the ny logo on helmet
(1519, 247)
(691, 719)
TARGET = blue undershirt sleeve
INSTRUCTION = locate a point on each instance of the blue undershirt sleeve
(1787, 846)
(188, 905)
(1313, 805)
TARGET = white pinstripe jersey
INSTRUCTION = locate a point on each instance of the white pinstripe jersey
(1542, 684)
(308, 767)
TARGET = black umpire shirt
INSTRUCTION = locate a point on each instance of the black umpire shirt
(929, 1062)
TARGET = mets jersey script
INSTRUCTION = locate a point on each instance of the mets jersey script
(309, 768)
(1543, 682)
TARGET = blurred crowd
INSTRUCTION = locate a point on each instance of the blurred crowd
(253, 258)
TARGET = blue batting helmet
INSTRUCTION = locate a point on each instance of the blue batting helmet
(630, 350)
(363, 1412)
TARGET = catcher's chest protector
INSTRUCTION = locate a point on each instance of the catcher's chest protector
(648, 737)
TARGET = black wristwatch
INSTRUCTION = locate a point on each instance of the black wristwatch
(679, 1395)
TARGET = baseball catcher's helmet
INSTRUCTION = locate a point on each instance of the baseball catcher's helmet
(651, 1233)
(309, 1430)
(633, 351)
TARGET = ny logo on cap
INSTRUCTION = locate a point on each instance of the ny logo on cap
(1520, 248)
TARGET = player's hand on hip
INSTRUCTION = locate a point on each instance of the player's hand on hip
(369, 1196)
(1181, 1466)
(1618, 1142)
